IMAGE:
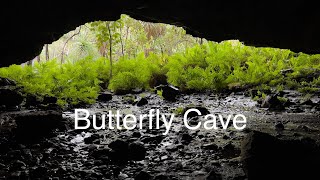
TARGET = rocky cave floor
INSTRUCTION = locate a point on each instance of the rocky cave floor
(148, 154)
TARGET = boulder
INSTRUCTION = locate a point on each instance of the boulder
(266, 157)
(10, 97)
(122, 151)
(31, 101)
(213, 176)
(33, 125)
(186, 138)
(279, 127)
(49, 100)
(99, 153)
(142, 102)
(104, 97)
(119, 151)
(94, 138)
(169, 92)
(137, 151)
(272, 103)
(143, 175)
(229, 150)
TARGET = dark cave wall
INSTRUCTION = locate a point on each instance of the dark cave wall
(28, 25)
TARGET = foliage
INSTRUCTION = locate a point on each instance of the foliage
(134, 73)
(71, 83)
(217, 66)
(142, 55)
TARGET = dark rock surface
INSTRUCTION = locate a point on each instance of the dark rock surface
(169, 92)
(104, 97)
(32, 125)
(272, 103)
(266, 157)
(142, 102)
(9, 93)
(10, 98)
(49, 100)
(148, 154)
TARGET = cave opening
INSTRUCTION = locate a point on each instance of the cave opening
(134, 66)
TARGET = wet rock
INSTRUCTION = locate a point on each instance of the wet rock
(272, 103)
(98, 153)
(279, 127)
(192, 114)
(14, 154)
(136, 134)
(122, 151)
(213, 176)
(122, 176)
(94, 138)
(10, 97)
(15, 175)
(31, 101)
(33, 125)
(119, 145)
(49, 100)
(210, 146)
(173, 148)
(143, 175)
(295, 109)
(137, 151)
(27, 154)
(17, 165)
(186, 138)
(161, 177)
(230, 151)
(104, 97)
(2, 166)
(142, 102)
(308, 102)
(152, 139)
(38, 172)
(119, 153)
(284, 159)
(303, 128)
(225, 137)
(288, 103)
(169, 92)
(130, 99)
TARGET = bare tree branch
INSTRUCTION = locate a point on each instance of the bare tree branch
(65, 44)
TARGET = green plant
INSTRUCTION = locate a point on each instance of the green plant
(178, 111)
(282, 99)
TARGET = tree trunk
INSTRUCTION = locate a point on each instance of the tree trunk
(65, 44)
(121, 41)
(38, 58)
(47, 52)
(110, 47)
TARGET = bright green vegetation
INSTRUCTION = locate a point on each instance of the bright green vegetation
(128, 54)
(217, 67)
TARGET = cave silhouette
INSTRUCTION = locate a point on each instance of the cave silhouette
(31, 24)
